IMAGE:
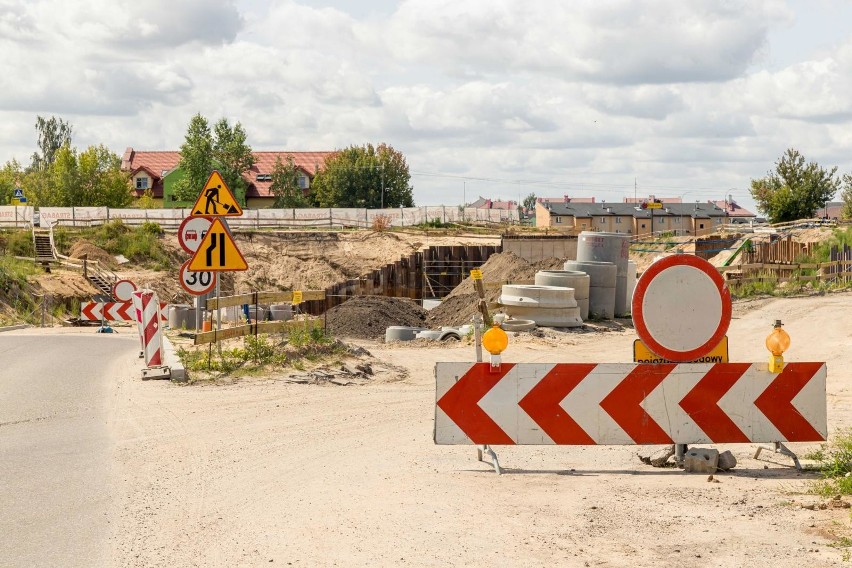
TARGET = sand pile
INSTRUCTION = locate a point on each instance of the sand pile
(367, 317)
(459, 306)
(91, 251)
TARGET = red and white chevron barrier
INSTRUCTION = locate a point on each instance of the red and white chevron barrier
(578, 403)
(115, 311)
(151, 330)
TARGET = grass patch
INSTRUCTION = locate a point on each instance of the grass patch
(141, 244)
(252, 355)
(835, 464)
(16, 291)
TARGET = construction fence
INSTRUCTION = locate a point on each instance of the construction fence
(170, 219)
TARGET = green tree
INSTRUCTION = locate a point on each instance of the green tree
(285, 184)
(846, 196)
(53, 134)
(103, 184)
(795, 190)
(10, 178)
(529, 202)
(233, 156)
(364, 176)
(196, 159)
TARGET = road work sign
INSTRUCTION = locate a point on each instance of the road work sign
(641, 354)
(681, 307)
(216, 199)
(218, 252)
(589, 403)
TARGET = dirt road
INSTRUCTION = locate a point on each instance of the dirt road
(264, 472)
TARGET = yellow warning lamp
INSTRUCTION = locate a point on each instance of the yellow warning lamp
(495, 341)
(777, 342)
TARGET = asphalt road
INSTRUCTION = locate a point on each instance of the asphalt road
(56, 447)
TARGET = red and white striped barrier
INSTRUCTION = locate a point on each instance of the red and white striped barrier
(576, 403)
(150, 325)
(115, 311)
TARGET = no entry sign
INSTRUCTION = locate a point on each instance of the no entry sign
(681, 307)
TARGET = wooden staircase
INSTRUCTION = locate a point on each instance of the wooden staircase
(43, 248)
(100, 282)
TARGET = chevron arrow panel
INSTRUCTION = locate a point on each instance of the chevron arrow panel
(587, 403)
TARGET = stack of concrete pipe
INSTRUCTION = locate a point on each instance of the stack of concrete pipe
(608, 247)
(552, 306)
(575, 279)
(631, 283)
(602, 277)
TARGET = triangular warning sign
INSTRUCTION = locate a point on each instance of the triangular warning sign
(217, 251)
(216, 199)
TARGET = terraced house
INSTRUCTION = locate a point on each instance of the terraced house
(697, 218)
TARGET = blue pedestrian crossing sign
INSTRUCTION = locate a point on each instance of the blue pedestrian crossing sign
(19, 192)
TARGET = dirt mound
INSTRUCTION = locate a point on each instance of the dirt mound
(367, 317)
(459, 306)
(83, 248)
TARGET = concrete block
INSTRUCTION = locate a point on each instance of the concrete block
(701, 460)
(726, 461)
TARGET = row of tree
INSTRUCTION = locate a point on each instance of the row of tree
(60, 176)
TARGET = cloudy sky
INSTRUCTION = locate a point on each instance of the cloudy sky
(494, 98)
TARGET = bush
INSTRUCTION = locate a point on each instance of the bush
(139, 244)
(381, 223)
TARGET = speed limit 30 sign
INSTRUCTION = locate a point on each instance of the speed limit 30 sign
(196, 283)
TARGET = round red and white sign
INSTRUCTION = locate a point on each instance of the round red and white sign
(192, 231)
(123, 290)
(681, 307)
(196, 283)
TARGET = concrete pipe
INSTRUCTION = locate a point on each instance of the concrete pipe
(600, 273)
(539, 296)
(429, 334)
(401, 333)
(549, 317)
(575, 279)
(175, 315)
(518, 325)
(584, 308)
(281, 312)
(257, 313)
(453, 335)
(601, 302)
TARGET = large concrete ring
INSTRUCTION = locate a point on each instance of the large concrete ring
(575, 279)
(538, 296)
(401, 333)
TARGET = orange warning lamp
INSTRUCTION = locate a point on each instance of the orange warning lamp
(495, 341)
(777, 342)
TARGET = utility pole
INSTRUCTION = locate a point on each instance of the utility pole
(383, 184)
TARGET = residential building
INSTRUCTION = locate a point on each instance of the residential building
(483, 203)
(158, 171)
(630, 218)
